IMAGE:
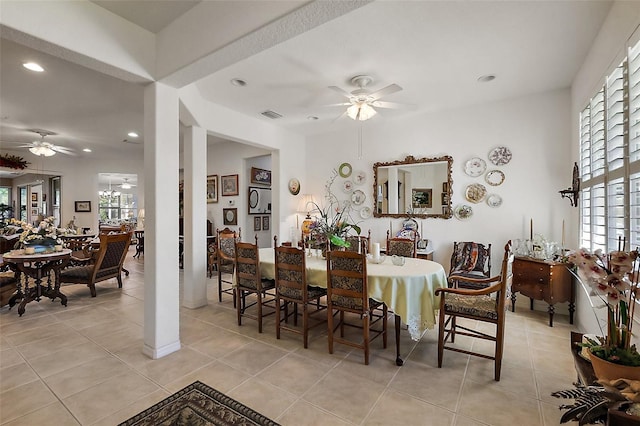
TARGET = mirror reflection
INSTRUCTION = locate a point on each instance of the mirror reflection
(422, 187)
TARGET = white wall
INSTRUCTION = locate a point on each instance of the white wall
(535, 128)
(607, 51)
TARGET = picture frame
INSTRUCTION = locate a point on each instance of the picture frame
(229, 185)
(421, 198)
(34, 197)
(259, 201)
(83, 206)
(34, 205)
(257, 223)
(445, 198)
(445, 186)
(230, 216)
(34, 212)
(265, 223)
(212, 189)
(260, 176)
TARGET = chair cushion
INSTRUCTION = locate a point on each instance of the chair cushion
(479, 306)
(77, 272)
(294, 293)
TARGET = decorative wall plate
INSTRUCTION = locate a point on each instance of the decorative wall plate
(494, 200)
(360, 177)
(344, 170)
(294, 186)
(347, 186)
(463, 212)
(475, 192)
(475, 167)
(365, 213)
(500, 155)
(494, 177)
(358, 197)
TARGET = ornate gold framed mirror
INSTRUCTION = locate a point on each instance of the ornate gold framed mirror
(423, 187)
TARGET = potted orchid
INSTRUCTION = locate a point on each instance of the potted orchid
(612, 281)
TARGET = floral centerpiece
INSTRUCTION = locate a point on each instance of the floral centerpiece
(334, 221)
(612, 280)
(45, 234)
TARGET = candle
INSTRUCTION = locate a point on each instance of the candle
(297, 227)
(562, 233)
(376, 251)
(531, 232)
(390, 231)
(421, 230)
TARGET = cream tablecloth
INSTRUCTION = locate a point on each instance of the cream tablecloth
(407, 290)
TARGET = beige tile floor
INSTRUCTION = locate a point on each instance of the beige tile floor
(83, 364)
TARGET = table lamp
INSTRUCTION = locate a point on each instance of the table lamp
(306, 205)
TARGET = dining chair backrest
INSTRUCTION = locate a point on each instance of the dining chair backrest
(248, 266)
(359, 243)
(347, 281)
(227, 239)
(291, 277)
(402, 246)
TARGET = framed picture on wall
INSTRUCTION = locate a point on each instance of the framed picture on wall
(260, 176)
(257, 222)
(229, 184)
(34, 212)
(34, 197)
(230, 216)
(421, 198)
(34, 205)
(212, 189)
(83, 206)
(265, 223)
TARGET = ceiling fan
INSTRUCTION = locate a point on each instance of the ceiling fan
(42, 147)
(126, 184)
(362, 102)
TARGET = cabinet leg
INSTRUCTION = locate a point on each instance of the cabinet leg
(572, 309)
(551, 312)
(513, 302)
(530, 304)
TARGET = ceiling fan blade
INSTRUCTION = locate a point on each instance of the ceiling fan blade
(392, 88)
(340, 104)
(62, 150)
(392, 105)
(341, 91)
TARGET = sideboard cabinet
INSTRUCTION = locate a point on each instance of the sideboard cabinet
(543, 280)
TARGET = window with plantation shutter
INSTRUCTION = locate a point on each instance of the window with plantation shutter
(609, 138)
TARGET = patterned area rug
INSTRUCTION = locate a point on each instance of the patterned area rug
(199, 405)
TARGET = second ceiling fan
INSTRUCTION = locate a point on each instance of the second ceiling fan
(362, 102)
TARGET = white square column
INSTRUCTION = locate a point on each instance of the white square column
(161, 164)
(195, 218)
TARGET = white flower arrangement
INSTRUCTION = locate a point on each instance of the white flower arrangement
(45, 233)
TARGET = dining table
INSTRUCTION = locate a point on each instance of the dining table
(407, 290)
(36, 268)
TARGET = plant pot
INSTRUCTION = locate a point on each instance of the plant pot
(605, 370)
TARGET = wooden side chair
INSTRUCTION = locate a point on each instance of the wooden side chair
(139, 236)
(8, 284)
(291, 287)
(484, 305)
(402, 246)
(225, 260)
(347, 293)
(469, 260)
(107, 263)
(249, 281)
(359, 243)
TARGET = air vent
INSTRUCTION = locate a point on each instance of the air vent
(271, 114)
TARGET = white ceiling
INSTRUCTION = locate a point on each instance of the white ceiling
(435, 50)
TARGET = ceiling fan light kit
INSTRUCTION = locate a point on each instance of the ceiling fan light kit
(360, 111)
(42, 150)
(362, 101)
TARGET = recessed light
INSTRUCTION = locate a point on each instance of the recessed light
(87, 150)
(486, 78)
(33, 66)
(132, 134)
(238, 82)
(312, 118)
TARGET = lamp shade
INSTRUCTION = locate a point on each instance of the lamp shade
(307, 203)
(361, 111)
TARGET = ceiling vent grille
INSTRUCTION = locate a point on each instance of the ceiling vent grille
(271, 114)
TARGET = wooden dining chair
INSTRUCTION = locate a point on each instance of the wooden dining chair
(292, 288)
(226, 259)
(359, 243)
(107, 264)
(402, 246)
(249, 281)
(484, 304)
(347, 293)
